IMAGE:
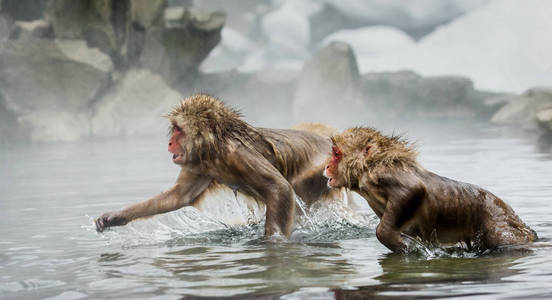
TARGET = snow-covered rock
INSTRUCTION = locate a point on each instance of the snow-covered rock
(411, 15)
(30, 30)
(287, 33)
(230, 53)
(134, 106)
(544, 118)
(329, 86)
(50, 85)
(502, 46)
(371, 44)
(176, 50)
(525, 110)
(287, 30)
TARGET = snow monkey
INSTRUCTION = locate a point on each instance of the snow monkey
(411, 200)
(214, 146)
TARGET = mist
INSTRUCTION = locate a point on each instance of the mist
(85, 86)
(74, 70)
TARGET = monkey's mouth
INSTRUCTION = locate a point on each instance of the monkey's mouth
(331, 180)
(177, 157)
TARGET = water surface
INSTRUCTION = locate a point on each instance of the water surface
(50, 194)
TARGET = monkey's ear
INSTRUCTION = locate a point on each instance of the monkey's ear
(367, 150)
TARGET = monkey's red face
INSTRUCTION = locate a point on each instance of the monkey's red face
(174, 144)
(332, 168)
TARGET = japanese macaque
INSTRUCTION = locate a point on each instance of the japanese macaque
(411, 201)
(215, 148)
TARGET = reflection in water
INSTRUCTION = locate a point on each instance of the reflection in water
(408, 277)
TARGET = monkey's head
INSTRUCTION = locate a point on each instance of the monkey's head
(362, 151)
(200, 126)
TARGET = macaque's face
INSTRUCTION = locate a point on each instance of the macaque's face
(332, 170)
(175, 147)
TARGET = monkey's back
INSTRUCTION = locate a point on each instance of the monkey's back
(482, 217)
(293, 151)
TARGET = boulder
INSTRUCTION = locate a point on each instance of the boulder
(407, 95)
(116, 27)
(176, 50)
(544, 119)
(37, 29)
(23, 10)
(134, 106)
(522, 110)
(148, 13)
(49, 83)
(329, 85)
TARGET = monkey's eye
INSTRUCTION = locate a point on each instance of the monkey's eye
(176, 128)
(336, 152)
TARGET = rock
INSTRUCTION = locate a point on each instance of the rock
(176, 50)
(544, 118)
(417, 18)
(23, 10)
(105, 24)
(50, 83)
(329, 85)
(148, 13)
(79, 52)
(37, 29)
(522, 110)
(407, 95)
(134, 106)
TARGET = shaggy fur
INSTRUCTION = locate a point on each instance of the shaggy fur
(213, 145)
(210, 125)
(414, 201)
(385, 152)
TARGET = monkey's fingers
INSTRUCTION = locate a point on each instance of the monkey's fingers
(100, 224)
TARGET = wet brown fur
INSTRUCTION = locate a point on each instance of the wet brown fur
(218, 147)
(413, 201)
(385, 153)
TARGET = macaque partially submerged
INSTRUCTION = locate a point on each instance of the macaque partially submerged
(217, 150)
(411, 200)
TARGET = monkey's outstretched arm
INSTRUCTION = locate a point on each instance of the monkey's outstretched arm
(188, 187)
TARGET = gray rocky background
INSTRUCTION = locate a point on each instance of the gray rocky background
(81, 69)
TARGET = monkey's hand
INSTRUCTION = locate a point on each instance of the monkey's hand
(110, 219)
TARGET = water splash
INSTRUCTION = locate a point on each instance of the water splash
(231, 218)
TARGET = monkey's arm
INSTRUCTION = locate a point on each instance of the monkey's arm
(188, 187)
(253, 171)
(402, 205)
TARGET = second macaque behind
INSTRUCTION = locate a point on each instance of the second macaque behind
(411, 200)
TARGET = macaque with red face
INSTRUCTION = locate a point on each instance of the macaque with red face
(411, 200)
(214, 147)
